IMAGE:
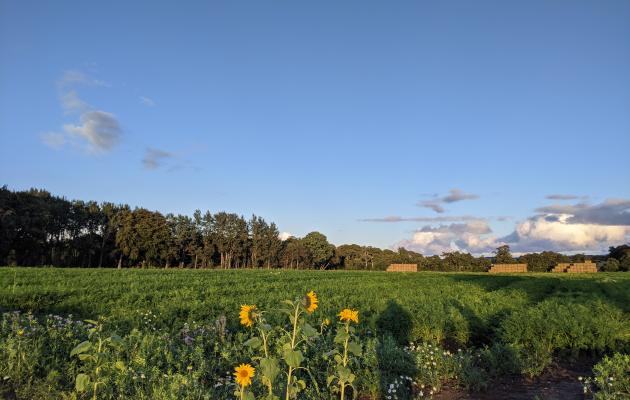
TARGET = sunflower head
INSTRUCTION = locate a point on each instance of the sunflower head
(310, 302)
(247, 315)
(244, 374)
(20, 332)
(348, 315)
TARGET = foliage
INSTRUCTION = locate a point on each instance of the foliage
(39, 229)
(187, 343)
(611, 378)
(503, 255)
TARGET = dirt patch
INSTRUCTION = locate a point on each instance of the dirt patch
(559, 383)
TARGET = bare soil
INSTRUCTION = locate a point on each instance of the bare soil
(559, 383)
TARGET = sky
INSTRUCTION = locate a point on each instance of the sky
(435, 125)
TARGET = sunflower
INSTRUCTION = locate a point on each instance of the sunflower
(349, 315)
(244, 374)
(310, 302)
(246, 315)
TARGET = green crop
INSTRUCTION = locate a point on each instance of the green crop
(176, 333)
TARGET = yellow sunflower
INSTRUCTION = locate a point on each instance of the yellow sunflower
(244, 374)
(349, 315)
(246, 315)
(310, 302)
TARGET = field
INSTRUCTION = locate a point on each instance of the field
(170, 341)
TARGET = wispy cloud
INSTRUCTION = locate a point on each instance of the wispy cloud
(100, 130)
(396, 218)
(72, 103)
(433, 205)
(458, 195)
(53, 140)
(155, 158)
(562, 197)
(454, 196)
(96, 130)
(147, 101)
(76, 77)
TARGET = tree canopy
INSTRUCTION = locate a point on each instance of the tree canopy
(40, 229)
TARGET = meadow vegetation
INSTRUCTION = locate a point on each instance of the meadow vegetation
(98, 333)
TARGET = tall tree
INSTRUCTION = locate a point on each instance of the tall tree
(320, 250)
(503, 255)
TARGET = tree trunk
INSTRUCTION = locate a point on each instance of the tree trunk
(120, 261)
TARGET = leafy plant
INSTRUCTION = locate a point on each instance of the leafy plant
(96, 358)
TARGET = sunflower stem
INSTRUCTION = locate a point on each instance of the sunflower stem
(345, 358)
(295, 320)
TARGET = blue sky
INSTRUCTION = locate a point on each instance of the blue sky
(357, 119)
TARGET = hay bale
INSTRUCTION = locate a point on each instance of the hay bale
(507, 268)
(402, 268)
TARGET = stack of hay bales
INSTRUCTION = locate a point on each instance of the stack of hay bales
(587, 267)
(582, 268)
(402, 268)
(500, 268)
(561, 267)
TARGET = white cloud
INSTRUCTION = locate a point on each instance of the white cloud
(99, 129)
(543, 233)
(567, 228)
(147, 101)
(285, 235)
(72, 103)
(472, 236)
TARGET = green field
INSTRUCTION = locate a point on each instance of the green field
(519, 323)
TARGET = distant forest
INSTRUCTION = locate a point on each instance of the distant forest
(39, 229)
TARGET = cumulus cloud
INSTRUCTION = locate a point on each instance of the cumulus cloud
(454, 196)
(610, 212)
(147, 101)
(155, 158)
(542, 233)
(285, 235)
(471, 236)
(566, 228)
(96, 130)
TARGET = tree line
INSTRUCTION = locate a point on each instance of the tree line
(40, 229)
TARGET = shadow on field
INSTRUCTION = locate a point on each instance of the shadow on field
(394, 325)
(539, 288)
(396, 322)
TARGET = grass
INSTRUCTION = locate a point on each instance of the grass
(440, 304)
(525, 320)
